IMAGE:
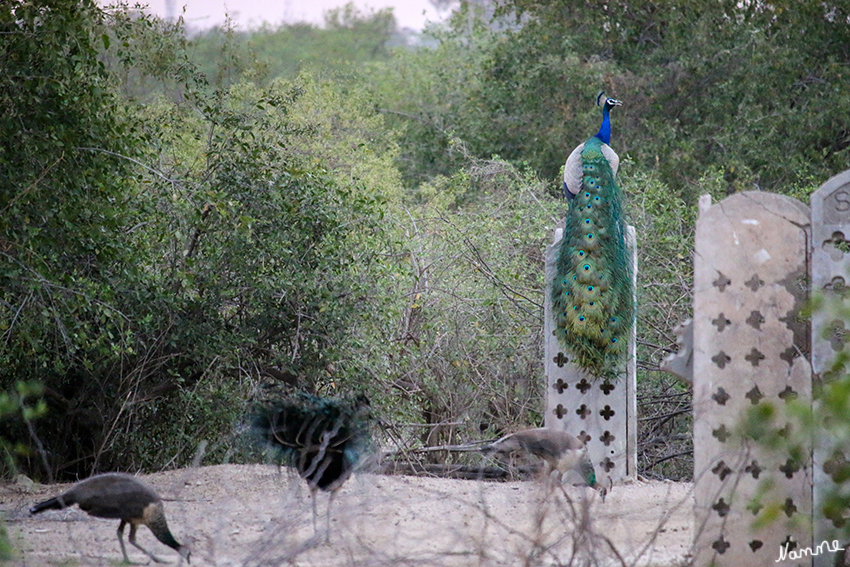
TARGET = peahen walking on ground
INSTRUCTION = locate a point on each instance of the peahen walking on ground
(592, 292)
(561, 451)
(122, 497)
(324, 439)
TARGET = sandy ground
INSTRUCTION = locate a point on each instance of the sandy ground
(253, 515)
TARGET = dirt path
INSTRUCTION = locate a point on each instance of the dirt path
(250, 515)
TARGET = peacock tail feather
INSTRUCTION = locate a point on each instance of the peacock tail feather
(592, 293)
(301, 425)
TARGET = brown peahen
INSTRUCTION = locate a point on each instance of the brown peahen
(561, 451)
(122, 497)
(592, 292)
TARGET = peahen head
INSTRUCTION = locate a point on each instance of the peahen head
(604, 133)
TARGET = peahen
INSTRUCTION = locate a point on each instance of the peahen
(324, 439)
(592, 292)
(561, 451)
(122, 497)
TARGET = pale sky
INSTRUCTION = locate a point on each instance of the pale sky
(252, 13)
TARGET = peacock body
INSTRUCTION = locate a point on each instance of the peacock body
(324, 439)
(592, 292)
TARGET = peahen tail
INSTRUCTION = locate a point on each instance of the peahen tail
(592, 293)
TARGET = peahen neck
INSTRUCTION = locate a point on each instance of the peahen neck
(604, 133)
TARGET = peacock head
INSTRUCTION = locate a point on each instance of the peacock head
(607, 103)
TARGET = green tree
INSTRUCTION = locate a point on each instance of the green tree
(62, 189)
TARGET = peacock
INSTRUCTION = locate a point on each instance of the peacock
(324, 439)
(122, 497)
(561, 451)
(592, 291)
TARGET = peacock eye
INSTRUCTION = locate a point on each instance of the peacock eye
(590, 235)
(586, 267)
(581, 318)
(581, 252)
(613, 319)
(587, 194)
(613, 340)
(596, 198)
(590, 288)
(587, 221)
(591, 303)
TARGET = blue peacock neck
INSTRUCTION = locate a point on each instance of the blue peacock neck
(604, 133)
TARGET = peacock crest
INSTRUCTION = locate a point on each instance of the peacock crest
(592, 292)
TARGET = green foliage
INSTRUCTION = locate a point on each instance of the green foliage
(23, 402)
(466, 357)
(167, 254)
(755, 88)
(62, 251)
(349, 39)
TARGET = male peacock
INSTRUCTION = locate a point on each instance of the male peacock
(561, 451)
(325, 439)
(592, 292)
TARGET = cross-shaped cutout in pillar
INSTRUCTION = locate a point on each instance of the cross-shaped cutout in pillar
(607, 438)
(607, 464)
(837, 286)
(720, 396)
(755, 320)
(788, 394)
(584, 386)
(583, 411)
(789, 544)
(560, 411)
(837, 333)
(561, 359)
(721, 545)
(607, 387)
(754, 282)
(789, 468)
(584, 437)
(755, 545)
(721, 322)
(607, 413)
(721, 507)
(560, 385)
(837, 246)
(754, 395)
(754, 357)
(754, 506)
(789, 354)
(721, 282)
(753, 468)
(790, 508)
(721, 359)
(721, 433)
(722, 470)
